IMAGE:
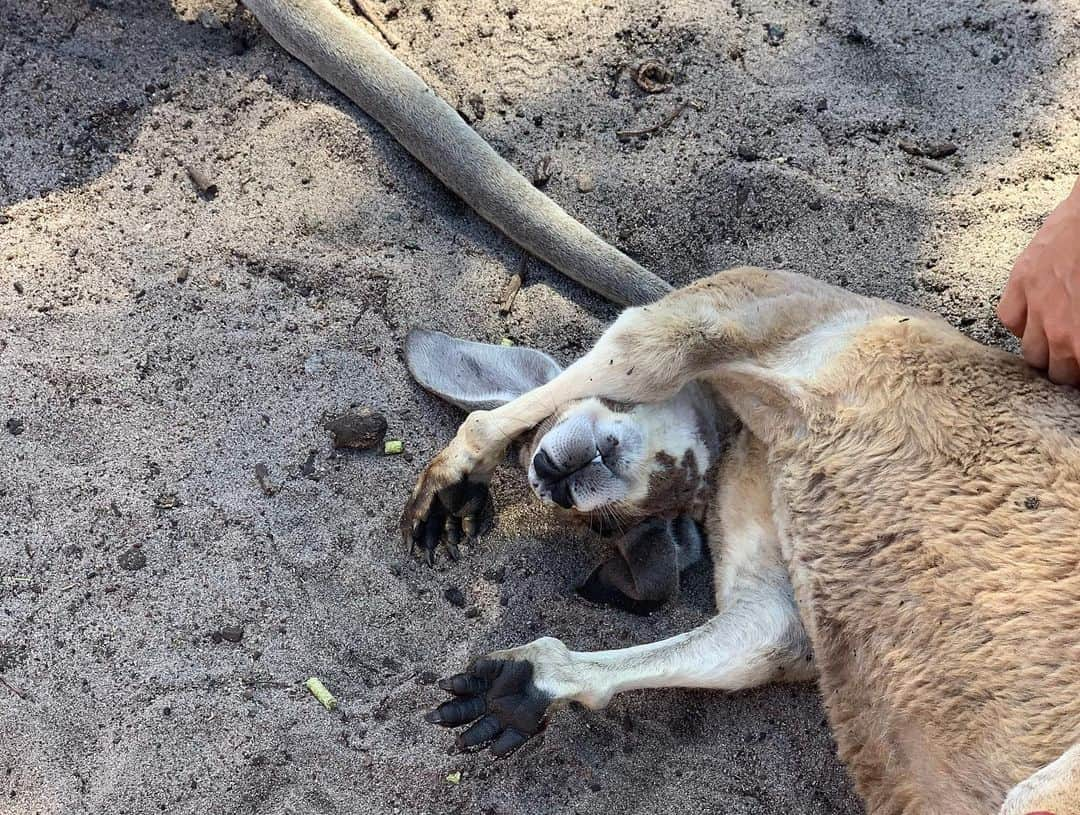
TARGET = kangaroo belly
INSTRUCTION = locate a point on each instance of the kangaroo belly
(944, 625)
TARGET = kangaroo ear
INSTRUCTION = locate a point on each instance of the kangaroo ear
(473, 375)
(643, 572)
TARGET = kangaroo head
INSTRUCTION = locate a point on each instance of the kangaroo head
(619, 463)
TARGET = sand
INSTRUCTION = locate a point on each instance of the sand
(156, 345)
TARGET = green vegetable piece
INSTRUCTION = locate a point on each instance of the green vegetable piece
(319, 691)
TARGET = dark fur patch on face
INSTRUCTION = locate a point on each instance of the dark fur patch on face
(674, 487)
(617, 407)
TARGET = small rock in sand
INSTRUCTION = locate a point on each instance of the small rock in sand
(747, 152)
(15, 425)
(774, 33)
(455, 596)
(132, 559)
(357, 428)
(207, 19)
(232, 633)
(585, 183)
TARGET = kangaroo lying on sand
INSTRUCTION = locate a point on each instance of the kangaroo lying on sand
(894, 513)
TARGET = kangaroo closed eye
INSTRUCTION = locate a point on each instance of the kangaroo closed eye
(474, 375)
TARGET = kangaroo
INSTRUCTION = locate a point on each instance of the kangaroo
(891, 506)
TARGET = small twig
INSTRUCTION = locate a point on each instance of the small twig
(513, 286)
(613, 91)
(21, 694)
(202, 180)
(262, 476)
(671, 117)
(932, 166)
(371, 17)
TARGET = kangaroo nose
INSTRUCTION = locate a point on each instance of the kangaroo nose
(554, 478)
(545, 467)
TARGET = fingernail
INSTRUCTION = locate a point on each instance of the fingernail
(433, 717)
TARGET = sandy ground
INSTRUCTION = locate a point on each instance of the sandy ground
(156, 346)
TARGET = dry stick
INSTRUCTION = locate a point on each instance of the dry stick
(13, 689)
(513, 286)
(613, 91)
(933, 166)
(202, 180)
(372, 18)
(671, 117)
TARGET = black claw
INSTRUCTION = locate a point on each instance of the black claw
(452, 530)
(464, 684)
(481, 732)
(433, 528)
(460, 711)
(469, 526)
(510, 740)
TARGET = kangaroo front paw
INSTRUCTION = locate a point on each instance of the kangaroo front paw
(501, 700)
(446, 507)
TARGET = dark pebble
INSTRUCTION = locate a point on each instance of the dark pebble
(935, 150)
(232, 633)
(747, 152)
(359, 428)
(774, 33)
(941, 150)
(132, 559)
(15, 425)
(455, 596)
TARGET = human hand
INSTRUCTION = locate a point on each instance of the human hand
(1041, 303)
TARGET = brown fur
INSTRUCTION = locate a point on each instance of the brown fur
(942, 601)
(926, 493)
(674, 486)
